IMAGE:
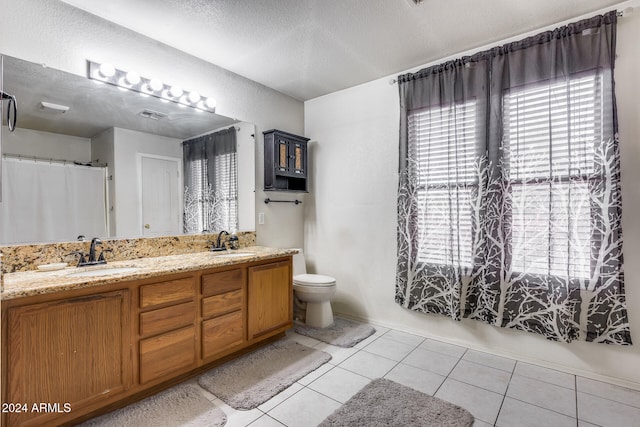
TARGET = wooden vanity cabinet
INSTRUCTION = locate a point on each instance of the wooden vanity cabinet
(73, 351)
(270, 289)
(110, 344)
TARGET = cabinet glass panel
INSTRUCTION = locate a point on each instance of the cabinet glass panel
(298, 158)
(282, 155)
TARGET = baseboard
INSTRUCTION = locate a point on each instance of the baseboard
(516, 356)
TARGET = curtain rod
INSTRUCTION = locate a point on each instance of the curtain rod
(52, 160)
(628, 11)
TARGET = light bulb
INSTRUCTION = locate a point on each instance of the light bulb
(210, 103)
(194, 97)
(132, 78)
(176, 91)
(155, 85)
(107, 70)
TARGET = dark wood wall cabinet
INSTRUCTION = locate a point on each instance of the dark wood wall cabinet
(102, 347)
(285, 161)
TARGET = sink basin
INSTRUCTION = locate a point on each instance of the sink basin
(233, 254)
(106, 271)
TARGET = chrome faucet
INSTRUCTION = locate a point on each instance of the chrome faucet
(92, 249)
(219, 245)
(90, 259)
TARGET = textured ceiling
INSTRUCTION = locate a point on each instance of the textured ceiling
(308, 48)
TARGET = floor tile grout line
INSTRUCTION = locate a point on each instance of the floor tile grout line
(606, 398)
(397, 341)
(541, 407)
(447, 377)
(477, 386)
(543, 381)
(504, 395)
(492, 355)
(442, 352)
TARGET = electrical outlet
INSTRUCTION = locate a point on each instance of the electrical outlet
(261, 218)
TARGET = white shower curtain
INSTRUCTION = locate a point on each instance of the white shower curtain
(44, 202)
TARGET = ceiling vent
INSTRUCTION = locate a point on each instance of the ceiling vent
(414, 3)
(153, 115)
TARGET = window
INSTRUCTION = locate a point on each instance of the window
(197, 218)
(211, 182)
(550, 134)
(443, 141)
(226, 179)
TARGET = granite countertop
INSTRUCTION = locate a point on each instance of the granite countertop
(36, 282)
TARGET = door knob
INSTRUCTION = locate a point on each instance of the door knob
(147, 226)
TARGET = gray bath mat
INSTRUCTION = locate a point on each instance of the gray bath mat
(383, 402)
(182, 405)
(343, 332)
(251, 380)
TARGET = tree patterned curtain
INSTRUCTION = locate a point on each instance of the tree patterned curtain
(211, 182)
(509, 207)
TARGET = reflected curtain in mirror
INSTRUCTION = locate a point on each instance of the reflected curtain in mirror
(509, 203)
(211, 182)
(51, 201)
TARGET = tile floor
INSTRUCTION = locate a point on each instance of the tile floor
(496, 390)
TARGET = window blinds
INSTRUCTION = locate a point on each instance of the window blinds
(550, 134)
(444, 149)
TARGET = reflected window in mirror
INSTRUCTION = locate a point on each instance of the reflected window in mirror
(211, 182)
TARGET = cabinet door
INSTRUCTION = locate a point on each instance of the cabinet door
(298, 159)
(74, 351)
(270, 293)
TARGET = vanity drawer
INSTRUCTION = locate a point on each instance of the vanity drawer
(220, 304)
(221, 333)
(166, 292)
(167, 319)
(167, 353)
(225, 281)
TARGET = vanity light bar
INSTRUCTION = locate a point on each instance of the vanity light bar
(107, 73)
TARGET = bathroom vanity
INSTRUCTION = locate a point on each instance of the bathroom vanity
(78, 343)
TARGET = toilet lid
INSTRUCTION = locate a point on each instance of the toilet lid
(314, 280)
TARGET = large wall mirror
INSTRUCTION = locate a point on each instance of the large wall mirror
(123, 151)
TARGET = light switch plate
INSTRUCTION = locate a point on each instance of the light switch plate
(261, 218)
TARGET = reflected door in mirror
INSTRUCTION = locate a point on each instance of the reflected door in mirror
(160, 198)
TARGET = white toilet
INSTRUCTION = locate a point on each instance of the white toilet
(314, 290)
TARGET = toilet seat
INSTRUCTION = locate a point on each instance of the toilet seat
(314, 280)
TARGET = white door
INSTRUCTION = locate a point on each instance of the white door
(160, 195)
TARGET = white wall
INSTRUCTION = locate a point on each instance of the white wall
(127, 145)
(27, 142)
(350, 221)
(63, 37)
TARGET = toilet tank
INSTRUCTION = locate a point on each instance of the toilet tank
(299, 266)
